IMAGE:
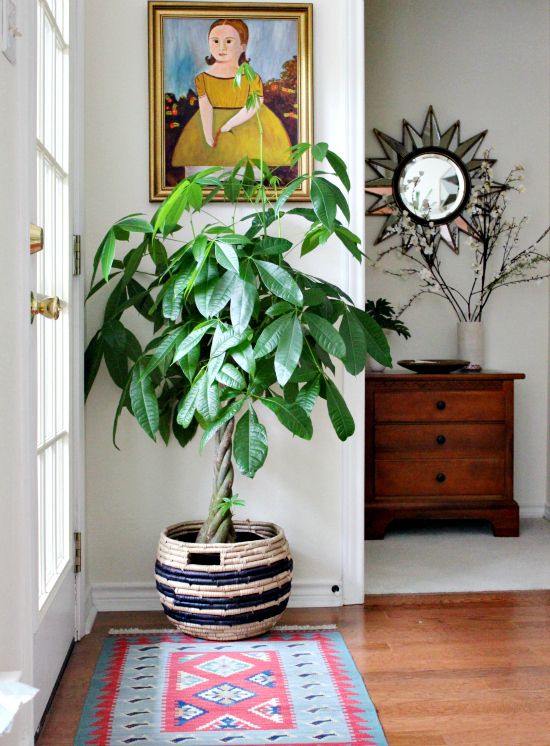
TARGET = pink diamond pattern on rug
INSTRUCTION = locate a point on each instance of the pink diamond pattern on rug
(239, 697)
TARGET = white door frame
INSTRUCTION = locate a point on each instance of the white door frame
(353, 451)
(25, 187)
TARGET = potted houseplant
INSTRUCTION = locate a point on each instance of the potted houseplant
(383, 313)
(235, 329)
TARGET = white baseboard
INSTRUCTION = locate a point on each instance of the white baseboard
(144, 597)
(534, 511)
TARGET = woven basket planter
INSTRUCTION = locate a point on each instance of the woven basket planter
(224, 591)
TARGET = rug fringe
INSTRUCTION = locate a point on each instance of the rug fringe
(163, 630)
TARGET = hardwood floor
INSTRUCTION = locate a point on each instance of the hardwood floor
(443, 670)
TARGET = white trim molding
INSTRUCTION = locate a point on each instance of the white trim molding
(144, 596)
(353, 452)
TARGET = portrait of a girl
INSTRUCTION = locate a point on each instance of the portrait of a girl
(223, 130)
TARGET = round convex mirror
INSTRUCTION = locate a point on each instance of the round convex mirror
(431, 186)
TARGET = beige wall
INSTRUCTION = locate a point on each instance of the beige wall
(134, 492)
(486, 64)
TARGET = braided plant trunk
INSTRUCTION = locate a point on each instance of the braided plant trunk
(218, 527)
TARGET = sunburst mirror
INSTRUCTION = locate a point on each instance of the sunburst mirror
(427, 176)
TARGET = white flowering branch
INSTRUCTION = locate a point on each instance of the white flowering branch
(493, 240)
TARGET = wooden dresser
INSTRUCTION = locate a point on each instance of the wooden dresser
(440, 446)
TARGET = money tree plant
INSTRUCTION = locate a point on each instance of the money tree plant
(235, 328)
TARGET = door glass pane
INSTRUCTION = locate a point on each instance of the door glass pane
(53, 279)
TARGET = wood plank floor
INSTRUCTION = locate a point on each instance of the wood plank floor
(443, 670)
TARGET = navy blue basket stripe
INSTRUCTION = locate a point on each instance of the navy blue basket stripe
(193, 577)
(226, 621)
(227, 602)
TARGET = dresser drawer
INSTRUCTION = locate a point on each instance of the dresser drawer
(444, 440)
(438, 477)
(439, 406)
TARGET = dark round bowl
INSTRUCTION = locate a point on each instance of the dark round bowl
(433, 366)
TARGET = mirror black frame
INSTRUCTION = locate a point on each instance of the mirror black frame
(457, 162)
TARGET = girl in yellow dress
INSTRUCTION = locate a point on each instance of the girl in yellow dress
(223, 130)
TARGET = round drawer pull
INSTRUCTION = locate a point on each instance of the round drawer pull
(441, 404)
(440, 477)
(441, 439)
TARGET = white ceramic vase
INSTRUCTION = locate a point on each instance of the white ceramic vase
(471, 343)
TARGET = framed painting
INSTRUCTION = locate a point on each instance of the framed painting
(198, 117)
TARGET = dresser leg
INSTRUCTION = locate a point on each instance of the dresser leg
(376, 524)
(505, 521)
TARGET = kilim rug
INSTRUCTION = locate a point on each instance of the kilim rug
(292, 686)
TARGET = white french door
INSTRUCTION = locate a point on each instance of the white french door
(54, 591)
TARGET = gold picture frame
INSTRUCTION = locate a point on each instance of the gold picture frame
(179, 37)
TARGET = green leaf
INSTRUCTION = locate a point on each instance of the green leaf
(116, 361)
(221, 293)
(317, 235)
(188, 363)
(231, 376)
(208, 400)
(314, 297)
(224, 339)
(172, 301)
(339, 167)
(244, 357)
(307, 396)
(199, 247)
(114, 334)
(192, 339)
(165, 349)
(183, 434)
(124, 401)
(341, 201)
(298, 151)
(325, 334)
(158, 254)
(272, 245)
(279, 282)
(194, 195)
(107, 254)
(269, 338)
(319, 151)
(186, 407)
(278, 309)
(243, 298)
(135, 225)
(171, 209)
(205, 289)
(377, 344)
(323, 201)
(289, 350)
(232, 189)
(249, 444)
(144, 401)
(226, 414)
(133, 347)
(353, 335)
(288, 191)
(350, 241)
(226, 256)
(92, 361)
(291, 415)
(338, 411)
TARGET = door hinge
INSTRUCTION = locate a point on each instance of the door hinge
(77, 264)
(77, 552)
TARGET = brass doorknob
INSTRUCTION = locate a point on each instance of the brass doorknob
(48, 307)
